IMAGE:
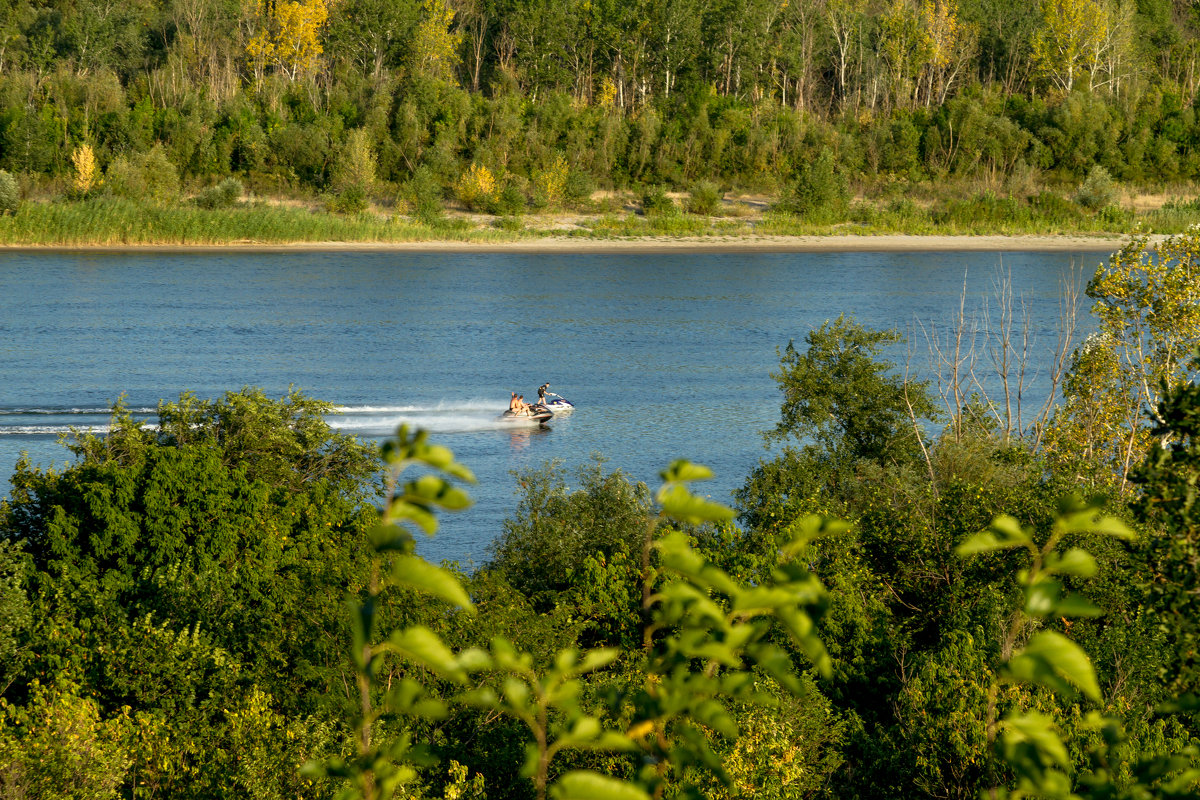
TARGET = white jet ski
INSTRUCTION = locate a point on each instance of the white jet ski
(558, 404)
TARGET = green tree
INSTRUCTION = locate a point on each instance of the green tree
(435, 43)
(842, 396)
(216, 547)
(1168, 504)
(377, 47)
(1147, 300)
(1065, 45)
(555, 530)
(14, 613)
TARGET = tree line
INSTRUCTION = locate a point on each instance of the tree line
(920, 592)
(378, 95)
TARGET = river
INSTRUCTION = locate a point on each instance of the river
(666, 355)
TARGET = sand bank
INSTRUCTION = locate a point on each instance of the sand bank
(650, 244)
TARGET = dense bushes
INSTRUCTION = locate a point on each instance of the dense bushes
(216, 548)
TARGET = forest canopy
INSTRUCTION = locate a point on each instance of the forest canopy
(409, 101)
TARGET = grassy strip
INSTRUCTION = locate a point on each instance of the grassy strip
(118, 222)
(115, 222)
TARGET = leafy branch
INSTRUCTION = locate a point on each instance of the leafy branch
(1029, 743)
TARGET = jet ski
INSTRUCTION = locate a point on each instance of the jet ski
(558, 404)
(538, 414)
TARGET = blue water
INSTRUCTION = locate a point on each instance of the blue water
(665, 355)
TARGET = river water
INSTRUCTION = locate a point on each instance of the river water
(666, 355)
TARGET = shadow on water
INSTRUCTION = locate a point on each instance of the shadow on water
(521, 438)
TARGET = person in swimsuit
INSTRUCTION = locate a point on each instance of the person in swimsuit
(542, 394)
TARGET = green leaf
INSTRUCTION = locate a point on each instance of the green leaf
(1089, 521)
(1004, 533)
(403, 510)
(800, 626)
(387, 538)
(1049, 655)
(586, 785)
(678, 555)
(516, 692)
(1074, 605)
(1042, 597)
(442, 458)
(474, 660)
(480, 697)
(432, 490)
(1038, 730)
(508, 658)
(682, 471)
(1075, 561)
(681, 505)
(417, 573)
(761, 599)
(587, 733)
(778, 664)
(423, 646)
(800, 532)
(712, 714)
(596, 659)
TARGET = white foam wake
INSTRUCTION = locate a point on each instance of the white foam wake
(91, 412)
(49, 430)
(446, 416)
(442, 406)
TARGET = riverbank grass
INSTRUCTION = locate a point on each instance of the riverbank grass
(108, 222)
(114, 222)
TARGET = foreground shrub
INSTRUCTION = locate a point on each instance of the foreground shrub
(1098, 190)
(146, 176)
(224, 195)
(655, 201)
(556, 528)
(476, 187)
(351, 200)
(87, 175)
(10, 193)
(705, 198)
(818, 190)
(551, 182)
(423, 194)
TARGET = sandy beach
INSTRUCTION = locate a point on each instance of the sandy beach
(705, 244)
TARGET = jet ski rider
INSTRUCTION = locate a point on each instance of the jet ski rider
(542, 393)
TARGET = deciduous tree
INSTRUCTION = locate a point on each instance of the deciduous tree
(1147, 300)
(1071, 32)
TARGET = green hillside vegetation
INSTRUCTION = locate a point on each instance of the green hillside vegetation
(918, 594)
(304, 120)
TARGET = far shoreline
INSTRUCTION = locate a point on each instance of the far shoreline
(860, 243)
